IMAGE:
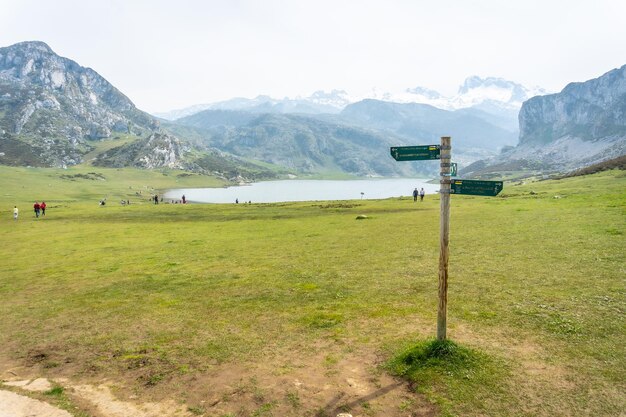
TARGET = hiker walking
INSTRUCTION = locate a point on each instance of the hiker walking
(184, 199)
(42, 206)
(37, 208)
(16, 212)
(422, 193)
(156, 199)
(415, 195)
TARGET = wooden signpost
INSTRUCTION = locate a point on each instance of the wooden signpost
(448, 186)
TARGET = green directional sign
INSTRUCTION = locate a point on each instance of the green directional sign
(415, 153)
(475, 187)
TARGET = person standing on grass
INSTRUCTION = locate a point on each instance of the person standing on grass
(36, 207)
(422, 193)
(16, 212)
(415, 195)
(156, 199)
(184, 199)
(42, 206)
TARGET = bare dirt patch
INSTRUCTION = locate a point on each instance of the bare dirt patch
(325, 381)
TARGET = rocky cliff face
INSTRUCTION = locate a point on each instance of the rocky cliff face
(54, 107)
(582, 125)
(589, 111)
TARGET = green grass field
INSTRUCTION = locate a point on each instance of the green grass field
(156, 296)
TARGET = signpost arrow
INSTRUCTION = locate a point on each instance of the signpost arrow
(415, 153)
(475, 187)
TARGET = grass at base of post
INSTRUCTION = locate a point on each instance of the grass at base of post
(451, 374)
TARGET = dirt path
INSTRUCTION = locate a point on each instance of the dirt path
(318, 385)
(15, 405)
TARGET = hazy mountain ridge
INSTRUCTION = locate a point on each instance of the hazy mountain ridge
(316, 103)
(422, 121)
(305, 144)
(495, 96)
(391, 123)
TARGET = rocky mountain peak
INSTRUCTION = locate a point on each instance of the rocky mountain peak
(46, 98)
(33, 46)
(424, 92)
(477, 89)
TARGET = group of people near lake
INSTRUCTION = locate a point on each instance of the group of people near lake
(421, 194)
(39, 208)
(183, 200)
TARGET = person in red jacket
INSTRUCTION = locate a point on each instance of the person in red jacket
(42, 206)
(37, 207)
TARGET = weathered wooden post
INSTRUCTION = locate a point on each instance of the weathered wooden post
(444, 232)
(448, 186)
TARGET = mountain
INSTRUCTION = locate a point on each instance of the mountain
(318, 102)
(304, 144)
(54, 112)
(582, 125)
(475, 92)
(494, 99)
(473, 137)
(347, 141)
(51, 107)
(163, 150)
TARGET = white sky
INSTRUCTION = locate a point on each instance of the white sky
(166, 54)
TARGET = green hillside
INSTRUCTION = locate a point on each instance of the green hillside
(225, 308)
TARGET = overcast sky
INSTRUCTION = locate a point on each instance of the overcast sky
(167, 54)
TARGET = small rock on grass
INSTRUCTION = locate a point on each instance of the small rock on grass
(361, 217)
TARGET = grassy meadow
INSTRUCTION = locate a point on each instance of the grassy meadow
(158, 295)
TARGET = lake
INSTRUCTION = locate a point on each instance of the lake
(305, 190)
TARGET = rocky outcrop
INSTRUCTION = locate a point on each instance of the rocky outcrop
(159, 150)
(45, 98)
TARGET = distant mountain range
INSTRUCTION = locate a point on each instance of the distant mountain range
(318, 102)
(490, 97)
(352, 140)
(302, 143)
(54, 112)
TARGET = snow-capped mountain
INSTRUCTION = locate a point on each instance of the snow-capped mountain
(475, 91)
(318, 102)
(493, 96)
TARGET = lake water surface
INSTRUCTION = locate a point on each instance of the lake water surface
(305, 190)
